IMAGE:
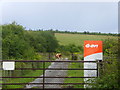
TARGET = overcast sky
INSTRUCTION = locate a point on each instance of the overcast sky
(70, 16)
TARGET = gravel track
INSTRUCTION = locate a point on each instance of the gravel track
(52, 73)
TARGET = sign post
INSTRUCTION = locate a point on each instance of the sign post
(92, 52)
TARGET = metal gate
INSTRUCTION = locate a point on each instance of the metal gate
(44, 68)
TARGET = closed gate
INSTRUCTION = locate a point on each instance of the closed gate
(54, 74)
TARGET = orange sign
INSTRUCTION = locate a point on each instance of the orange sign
(92, 47)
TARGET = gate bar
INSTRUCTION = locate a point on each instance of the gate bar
(48, 77)
(50, 69)
(45, 61)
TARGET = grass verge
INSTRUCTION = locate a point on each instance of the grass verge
(74, 73)
(23, 80)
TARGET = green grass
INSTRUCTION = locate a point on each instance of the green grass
(24, 80)
(78, 39)
(75, 73)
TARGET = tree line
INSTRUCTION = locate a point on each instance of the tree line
(18, 43)
(86, 32)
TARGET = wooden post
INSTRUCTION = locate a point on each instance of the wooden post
(98, 68)
(101, 67)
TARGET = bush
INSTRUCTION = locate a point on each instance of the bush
(109, 76)
(74, 57)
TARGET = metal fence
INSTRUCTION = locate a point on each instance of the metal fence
(44, 68)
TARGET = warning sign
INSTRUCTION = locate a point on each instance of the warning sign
(92, 52)
(92, 48)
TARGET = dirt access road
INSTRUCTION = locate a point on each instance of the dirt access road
(52, 73)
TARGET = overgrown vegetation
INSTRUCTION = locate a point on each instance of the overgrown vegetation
(17, 43)
(109, 75)
(71, 49)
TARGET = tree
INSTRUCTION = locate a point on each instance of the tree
(72, 49)
(51, 42)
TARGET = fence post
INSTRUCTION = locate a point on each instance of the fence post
(97, 68)
(101, 67)
(43, 75)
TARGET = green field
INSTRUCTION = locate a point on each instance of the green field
(78, 39)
